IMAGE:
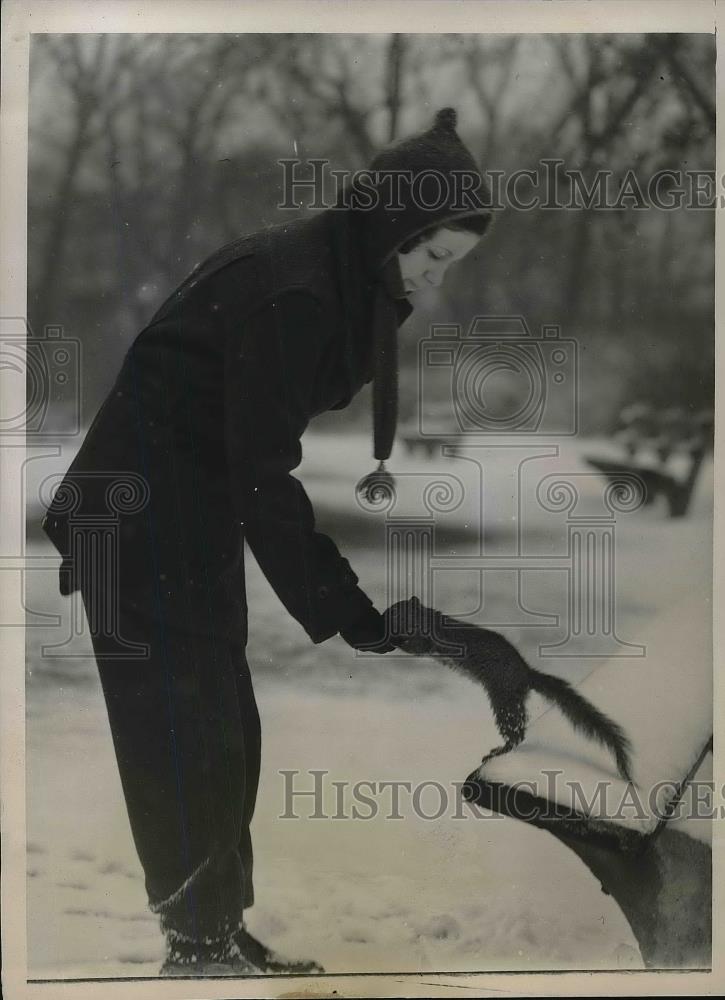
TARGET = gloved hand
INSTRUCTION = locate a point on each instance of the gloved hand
(368, 633)
(410, 624)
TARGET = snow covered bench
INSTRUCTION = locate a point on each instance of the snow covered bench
(663, 451)
(648, 844)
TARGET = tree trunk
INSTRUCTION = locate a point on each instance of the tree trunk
(56, 239)
(396, 54)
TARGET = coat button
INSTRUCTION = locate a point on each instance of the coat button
(323, 591)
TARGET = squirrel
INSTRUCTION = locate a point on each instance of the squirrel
(491, 661)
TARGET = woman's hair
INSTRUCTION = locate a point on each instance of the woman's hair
(477, 224)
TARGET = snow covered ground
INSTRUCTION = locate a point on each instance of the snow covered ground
(458, 893)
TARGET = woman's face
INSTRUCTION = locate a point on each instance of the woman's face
(425, 265)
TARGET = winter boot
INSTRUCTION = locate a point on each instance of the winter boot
(259, 955)
(210, 957)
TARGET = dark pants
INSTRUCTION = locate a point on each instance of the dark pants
(186, 733)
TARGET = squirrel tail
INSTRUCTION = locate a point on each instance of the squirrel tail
(586, 718)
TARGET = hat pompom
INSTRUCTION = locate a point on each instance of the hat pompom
(447, 118)
(377, 489)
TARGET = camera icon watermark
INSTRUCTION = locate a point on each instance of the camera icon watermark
(496, 378)
(46, 370)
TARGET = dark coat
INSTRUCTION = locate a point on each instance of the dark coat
(205, 418)
(208, 410)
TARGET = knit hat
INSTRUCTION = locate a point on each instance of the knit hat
(423, 182)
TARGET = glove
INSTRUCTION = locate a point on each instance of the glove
(411, 626)
(368, 633)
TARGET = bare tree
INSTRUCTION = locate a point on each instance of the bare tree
(77, 73)
(488, 72)
(601, 106)
(395, 65)
(322, 82)
(686, 75)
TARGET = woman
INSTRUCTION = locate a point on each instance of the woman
(190, 454)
